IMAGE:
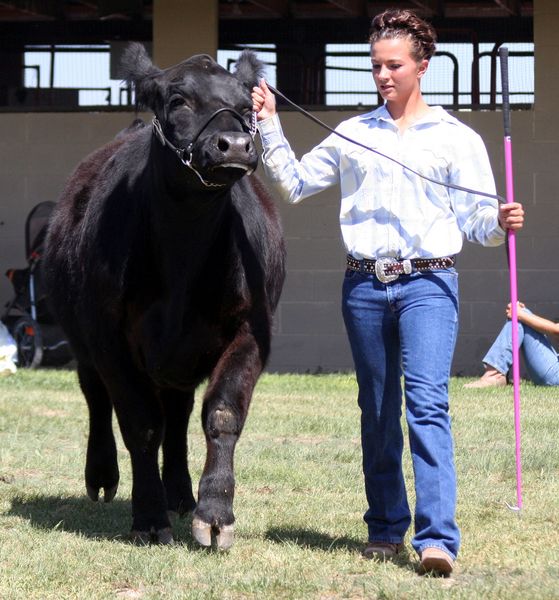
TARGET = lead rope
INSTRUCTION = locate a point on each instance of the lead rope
(348, 139)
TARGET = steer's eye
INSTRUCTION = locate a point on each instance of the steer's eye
(177, 102)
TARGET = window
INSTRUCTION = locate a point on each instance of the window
(449, 80)
(77, 75)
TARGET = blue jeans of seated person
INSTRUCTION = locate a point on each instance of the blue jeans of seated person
(407, 327)
(541, 359)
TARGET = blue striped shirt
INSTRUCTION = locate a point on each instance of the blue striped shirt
(386, 210)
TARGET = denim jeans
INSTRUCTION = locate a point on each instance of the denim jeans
(540, 358)
(408, 327)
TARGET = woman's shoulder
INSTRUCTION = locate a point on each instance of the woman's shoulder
(369, 118)
(446, 118)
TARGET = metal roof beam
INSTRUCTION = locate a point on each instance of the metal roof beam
(510, 6)
(429, 7)
(277, 8)
(355, 8)
(48, 9)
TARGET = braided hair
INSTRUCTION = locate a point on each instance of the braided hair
(396, 23)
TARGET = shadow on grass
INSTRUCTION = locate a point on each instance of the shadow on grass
(95, 520)
(307, 538)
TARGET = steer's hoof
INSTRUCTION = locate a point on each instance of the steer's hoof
(164, 536)
(203, 532)
(145, 538)
(109, 493)
(225, 537)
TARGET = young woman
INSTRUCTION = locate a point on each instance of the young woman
(400, 292)
(540, 357)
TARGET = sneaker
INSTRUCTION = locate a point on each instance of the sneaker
(382, 550)
(436, 561)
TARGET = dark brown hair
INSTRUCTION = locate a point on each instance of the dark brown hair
(396, 23)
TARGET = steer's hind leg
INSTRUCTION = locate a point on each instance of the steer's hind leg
(140, 417)
(101, 467)
(223, 415)
(177, 407)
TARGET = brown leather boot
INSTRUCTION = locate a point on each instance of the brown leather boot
(436, 562)
(490, 378)
(382, 550)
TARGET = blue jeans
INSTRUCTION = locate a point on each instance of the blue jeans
(408, 327)
(540, 358)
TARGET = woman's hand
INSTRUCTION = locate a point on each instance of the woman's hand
(511, 216)
(519, 305)
(263, 101)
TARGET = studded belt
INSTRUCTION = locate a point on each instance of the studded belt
(389, 269)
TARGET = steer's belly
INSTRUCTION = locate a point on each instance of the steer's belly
(182, 359)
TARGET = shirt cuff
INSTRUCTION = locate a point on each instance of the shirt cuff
(269, 126)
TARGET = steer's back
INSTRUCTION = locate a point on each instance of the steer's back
(80, 240)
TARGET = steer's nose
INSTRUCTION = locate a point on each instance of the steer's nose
(235, 146)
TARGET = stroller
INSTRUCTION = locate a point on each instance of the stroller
(39, 339)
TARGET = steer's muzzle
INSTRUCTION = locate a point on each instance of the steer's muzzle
(231, 155)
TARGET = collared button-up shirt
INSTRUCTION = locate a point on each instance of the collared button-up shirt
(385, 209)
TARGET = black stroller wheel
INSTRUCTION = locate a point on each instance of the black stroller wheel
(29, 341)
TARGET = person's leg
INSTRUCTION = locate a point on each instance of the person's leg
(541, 359)
(428, 321)
(499, 356)
(498, 359)
(373, 336)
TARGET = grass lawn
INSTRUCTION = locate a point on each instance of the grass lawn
(299, 502)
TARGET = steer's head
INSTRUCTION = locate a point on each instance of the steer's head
(203, 112)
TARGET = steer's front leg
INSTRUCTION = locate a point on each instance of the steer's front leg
(223, 415)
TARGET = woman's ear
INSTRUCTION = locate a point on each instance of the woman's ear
(422, 67)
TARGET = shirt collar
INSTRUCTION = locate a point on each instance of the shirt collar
(437, 114)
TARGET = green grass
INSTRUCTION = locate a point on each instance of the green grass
(299, 502)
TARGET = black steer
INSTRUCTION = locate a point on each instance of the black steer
(164, 264)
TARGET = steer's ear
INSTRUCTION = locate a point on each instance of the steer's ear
(138, 70)
(249, 69)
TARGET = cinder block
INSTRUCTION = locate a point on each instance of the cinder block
(293, 353)
(299, 286)
(328, 286)
(311, 318)
(307, 254)
(488, 286)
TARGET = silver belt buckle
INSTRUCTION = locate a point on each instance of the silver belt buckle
(382, 263)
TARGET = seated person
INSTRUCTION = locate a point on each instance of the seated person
(541, 359)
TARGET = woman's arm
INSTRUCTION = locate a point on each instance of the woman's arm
(534, 321)
(293, 179)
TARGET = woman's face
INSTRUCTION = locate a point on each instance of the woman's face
(395, 72)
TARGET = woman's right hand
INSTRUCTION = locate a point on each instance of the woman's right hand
(263, 101)
(520, 306)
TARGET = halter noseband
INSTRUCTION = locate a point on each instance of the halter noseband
(185, 154)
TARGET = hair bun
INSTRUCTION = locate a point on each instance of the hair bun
(395, 23)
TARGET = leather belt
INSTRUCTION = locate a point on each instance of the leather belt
(389, 269)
